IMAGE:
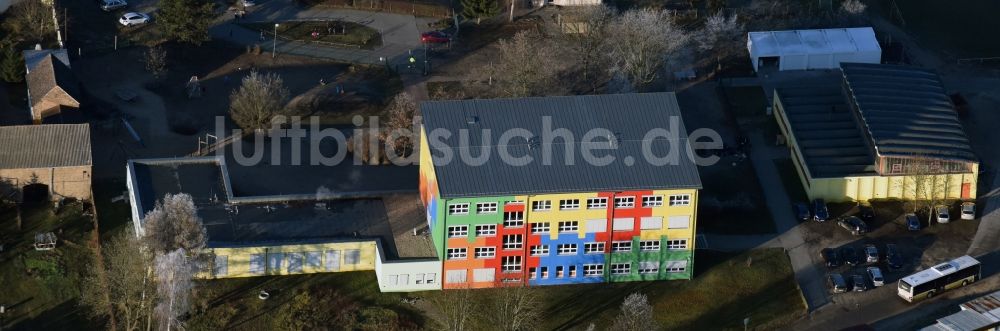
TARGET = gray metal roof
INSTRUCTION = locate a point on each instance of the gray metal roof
(44, 146)
(966, 320)
(627, 117)
(907, 111)
(825, 131)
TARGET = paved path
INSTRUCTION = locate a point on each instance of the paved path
(400, 33)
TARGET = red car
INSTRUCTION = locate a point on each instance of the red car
(435, 37)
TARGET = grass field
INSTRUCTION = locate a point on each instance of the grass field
(40, 288)
(336, 33)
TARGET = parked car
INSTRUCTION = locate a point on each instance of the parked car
(859, 283)
(943, 216)
(248, 3)
(866, 213)
(837, 283)
(850, 255)
(133, 18)
(854, 224)
(893, 257)
(109, 5)
(871, 254)
(912, 222)
(820, 213)
(968, 210)
(802, 212)
(435, 37)
(831, 258)
(876, 275)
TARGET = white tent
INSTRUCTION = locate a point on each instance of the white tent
(813, 49)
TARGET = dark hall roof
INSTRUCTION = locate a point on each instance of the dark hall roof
(44, 146)
(626, 117)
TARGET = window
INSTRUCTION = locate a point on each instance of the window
(404, 279)
(540, 250)
(332, 260)
(678, 222)
(566, 249)
(559, 271)
(621, 268)
(649, 245)
(569, 204)
(543, 205)
(511, 264)
(418, 279)
(532, 274)
(430, 278)
(486, 230)
(314, 260)
(455, 276)
(486, 208)
(621, 246)
(593, 226)
(597, 203)
(513, 219)
(392, 280)
(456, 231)
(624, 202)
(486, 252)
(352, 256)
(593, 248)
(593, 270)
(457, 253)
(572, 271)
(458, 209)
(274, 262)
(221, 267)
(541, 227)
(652, 201)
(651, 223)
(512, 241)
(676, 266)
(569, 226)
(649, 267)
(680, 200)
(483, 275)
(545, 272)
(677, 244)
(295, 261)
(623, 224)
(257, 264)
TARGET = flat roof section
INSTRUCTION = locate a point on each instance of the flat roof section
(825, 131)
(820, 41)
(907, 112)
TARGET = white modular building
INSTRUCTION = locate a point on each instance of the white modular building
(812, 49)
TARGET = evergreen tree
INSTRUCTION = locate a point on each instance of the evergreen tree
(185, 20)
(480, 9)
(11, 63)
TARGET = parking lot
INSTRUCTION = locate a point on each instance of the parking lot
(918, 249)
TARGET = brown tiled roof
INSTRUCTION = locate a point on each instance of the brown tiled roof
(44, 146)
(50, 74)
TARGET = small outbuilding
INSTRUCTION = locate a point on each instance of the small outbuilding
(812, 49)
(53, 92)
(45, 162)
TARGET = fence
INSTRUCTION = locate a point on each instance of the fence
(395, 6)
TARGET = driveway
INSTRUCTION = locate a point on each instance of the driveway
(400, 33)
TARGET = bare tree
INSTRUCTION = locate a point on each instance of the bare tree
(721, 35)
(525, 66)
(30, 20)
(853, 7)
(511, 308)
(122, 287)
(644, 39)
(399, 127)
(454, 308)
(587, 39)
(174, 224)
(156, 61)
(922, 183)
(258, 100)
(367, 146)
(174, 272)
(636, 314)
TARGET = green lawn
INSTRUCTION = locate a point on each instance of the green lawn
(791, 181)
(40, 287)
(335, 33)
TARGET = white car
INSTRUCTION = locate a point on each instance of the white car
(249, 3)
(942, 214)
(876, 275)
(130, 19)
(968, 210)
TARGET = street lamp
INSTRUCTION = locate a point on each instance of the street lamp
(274, 43)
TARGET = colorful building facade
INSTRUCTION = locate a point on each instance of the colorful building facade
(569, 237)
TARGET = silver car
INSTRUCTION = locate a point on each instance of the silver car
(876, 275)
(968, 210)
(109, 5)
(943, 216)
